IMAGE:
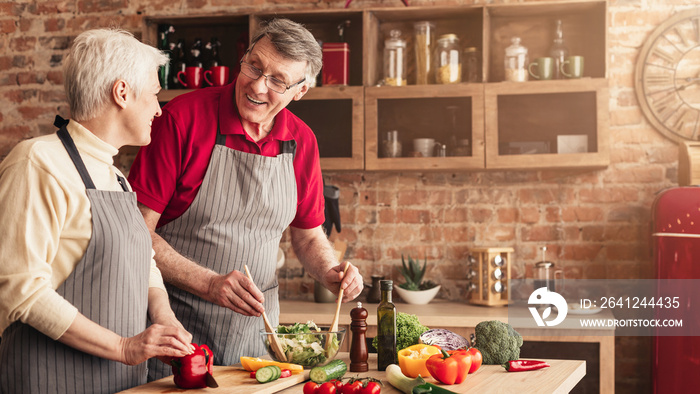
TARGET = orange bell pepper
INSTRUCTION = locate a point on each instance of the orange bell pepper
(412, 359)
(255, 363)
(450, 367)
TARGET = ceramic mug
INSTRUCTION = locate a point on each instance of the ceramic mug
(193, 77)
(574, 64)
(424, 146)
(218, 74)
(544, 68)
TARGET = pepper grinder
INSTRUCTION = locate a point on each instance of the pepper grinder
(358, 347)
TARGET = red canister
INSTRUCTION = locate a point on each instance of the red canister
(336, 63)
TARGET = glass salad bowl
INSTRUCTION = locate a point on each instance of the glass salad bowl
(305, 344)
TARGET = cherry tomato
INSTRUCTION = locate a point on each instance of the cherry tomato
(477, 358)
(371, 388)
(338, 385)
(352, 388)
(311, 388)
(327, 388)
(286, 373)
(252, 374)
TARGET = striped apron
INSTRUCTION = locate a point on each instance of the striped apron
(109, 286)
(244, 204)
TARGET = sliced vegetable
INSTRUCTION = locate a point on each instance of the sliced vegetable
(336, 369)
(446, 339)
(403, 383)
(524, 365)
(255, 363)
(412, 359)
(286, 373)
(268, 374)
(450, 367)
(191, 371)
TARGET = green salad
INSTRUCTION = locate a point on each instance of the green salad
(308, 347)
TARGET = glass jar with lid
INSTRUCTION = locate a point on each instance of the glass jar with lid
(448, 60)
(424, 39)
(516, 62)
(395, 59)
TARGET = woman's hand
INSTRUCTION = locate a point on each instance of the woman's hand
(156, 341)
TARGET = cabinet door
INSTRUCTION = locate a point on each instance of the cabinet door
(448, 115)
(547, 124)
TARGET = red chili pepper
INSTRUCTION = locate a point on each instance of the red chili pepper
(286, 373)
(524, 365)
(449, 367)
(191, 371)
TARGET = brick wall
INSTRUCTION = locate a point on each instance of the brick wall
(595, 223)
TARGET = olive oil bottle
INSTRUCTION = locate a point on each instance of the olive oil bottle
(386, 328)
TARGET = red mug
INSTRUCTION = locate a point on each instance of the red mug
(193, 77)
(219, 76)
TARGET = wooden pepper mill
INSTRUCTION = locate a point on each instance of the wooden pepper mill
(358, 346)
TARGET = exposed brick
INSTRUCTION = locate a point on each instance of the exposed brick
(32, 112)
(581, 214)
(507, 215)
(54, 24)
(19, 96)
(530, 215)
(8, 26)
(56, 43)
(539, 233)
(480, 215)
(90, 6)
(608, 195)
(26, 78)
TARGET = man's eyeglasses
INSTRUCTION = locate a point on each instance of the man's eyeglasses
(272, 83)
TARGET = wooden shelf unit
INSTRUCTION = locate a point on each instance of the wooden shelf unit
(495, 116)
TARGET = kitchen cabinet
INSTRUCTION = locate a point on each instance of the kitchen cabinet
(497, 125)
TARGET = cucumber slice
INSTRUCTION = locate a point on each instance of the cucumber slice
(268, 374)
(333, 370)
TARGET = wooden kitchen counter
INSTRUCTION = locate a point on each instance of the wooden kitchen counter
(461, 318)
(561, 377)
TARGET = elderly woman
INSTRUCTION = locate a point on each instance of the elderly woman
(77, 276)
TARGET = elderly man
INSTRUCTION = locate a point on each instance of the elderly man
(229, 169)
(77, 278)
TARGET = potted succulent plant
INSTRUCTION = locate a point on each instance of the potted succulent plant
(415, 290)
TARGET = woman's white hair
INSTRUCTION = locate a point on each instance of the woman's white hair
(99, 58)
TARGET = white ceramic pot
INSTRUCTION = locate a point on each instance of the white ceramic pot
(419, 297)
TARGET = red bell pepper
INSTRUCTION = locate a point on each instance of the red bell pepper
(449, 367)
(524, 365)
(191, 371)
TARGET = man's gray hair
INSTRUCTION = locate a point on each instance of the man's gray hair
(97, 59)
(293, 41)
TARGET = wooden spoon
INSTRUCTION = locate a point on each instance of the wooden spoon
(274, 341)
(334, 325)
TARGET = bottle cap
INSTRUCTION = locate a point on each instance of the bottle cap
(395, 40)
(448, 37)
(516, 49)
(387, 285)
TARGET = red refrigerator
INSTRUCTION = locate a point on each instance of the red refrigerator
(676, 250)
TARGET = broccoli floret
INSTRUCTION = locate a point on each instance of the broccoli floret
(498, 342)
(408, 330)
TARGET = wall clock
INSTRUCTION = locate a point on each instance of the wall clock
(667, 77)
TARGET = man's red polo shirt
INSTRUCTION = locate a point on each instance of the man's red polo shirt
(167, 174)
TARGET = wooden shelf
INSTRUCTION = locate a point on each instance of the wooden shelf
(501, 120)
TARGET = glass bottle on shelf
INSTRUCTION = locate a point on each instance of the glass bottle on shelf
(558, 50)
(167, 46)
(386, 328)
(424, 41)
(179, 63)
(196, 54)
(448, 60)
(395, 59)
(472, 65)
(516, 62)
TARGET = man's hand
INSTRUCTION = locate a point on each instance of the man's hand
(350, 281)
(236, 292)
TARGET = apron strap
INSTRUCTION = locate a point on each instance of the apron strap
(285, 146)
(72, 150)
(75, 156)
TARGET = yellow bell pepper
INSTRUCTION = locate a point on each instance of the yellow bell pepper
(255, 363)
(412, 359)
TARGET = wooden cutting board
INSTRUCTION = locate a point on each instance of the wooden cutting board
(233, 379)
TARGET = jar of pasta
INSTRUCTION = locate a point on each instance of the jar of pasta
(448, 60)
(424, 40)
(395, 59)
